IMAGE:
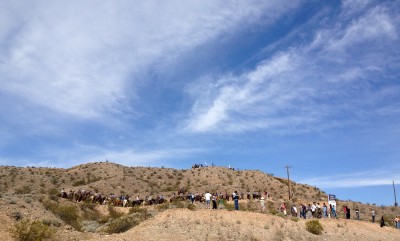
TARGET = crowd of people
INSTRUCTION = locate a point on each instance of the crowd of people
(215, 200)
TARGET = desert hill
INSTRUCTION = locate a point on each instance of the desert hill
(108, 178)
(28, 193)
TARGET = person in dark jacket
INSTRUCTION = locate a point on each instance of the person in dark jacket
(347, 212)
(382, 221)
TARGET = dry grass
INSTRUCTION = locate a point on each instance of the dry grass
(33, 192)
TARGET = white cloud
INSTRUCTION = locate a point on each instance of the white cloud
(83, 58)
(301, 89)
(357, 179)
(376, 24)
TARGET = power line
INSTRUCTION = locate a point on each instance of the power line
(287, 170)
(395, 199)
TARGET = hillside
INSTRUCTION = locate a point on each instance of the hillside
(28, 193)
(108, 178)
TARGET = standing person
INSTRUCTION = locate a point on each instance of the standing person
(192, 197)
(325, 210)
(319, 213)
(309, 212)
(304, 209)
(358, 214)
(347, 212)
(333, 211)
(221, 202)
(382, 221)
(396, 222)
(214, 202)
(208, 199)
(373, 215)
(294, 210)
(236, 200)
(313, 210)
(262, 203)
(283, 208)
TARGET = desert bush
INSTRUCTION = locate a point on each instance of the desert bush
(121, 225)
(137, 209)
(79, 183)
(294, 219)
(280, 215)
(229, 206)
(191, 206)
(31, 231)
(23, 190)
(178, 204)
(53, 194)
(314, 227)
(16, 215)
(162, 207)
(114, 213)
(90, 226)
(89, 212)
(168, 189)
(51, 222)
(69, 214)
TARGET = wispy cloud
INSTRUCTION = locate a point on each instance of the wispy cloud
(357, 179)
(304, 87)
(85, 65)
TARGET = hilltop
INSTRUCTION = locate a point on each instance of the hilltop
(109, 177)
(30, 193)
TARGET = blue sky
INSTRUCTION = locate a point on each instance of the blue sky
(311, 84)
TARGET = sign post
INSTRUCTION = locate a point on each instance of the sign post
(332, 199)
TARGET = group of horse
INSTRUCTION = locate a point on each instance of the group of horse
(98, 198)
(127, 201)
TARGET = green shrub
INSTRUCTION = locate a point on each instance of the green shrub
(314, 226)
(23, 190)
(53, 194)
(114, 213)
(51, 222)
(294, 219)
(121, 225)
(69, 214)
(191, 206)
(229, 206)
(79, 183)
(280, 215)
(31, 231)
(89, 212)
(162, 207)
(137, 209)
(178, 204)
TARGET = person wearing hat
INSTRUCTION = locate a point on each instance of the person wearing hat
(262, 202)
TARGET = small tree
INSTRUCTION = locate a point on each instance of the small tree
(314, 227)
(31, 231)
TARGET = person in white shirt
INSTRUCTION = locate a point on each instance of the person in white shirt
(313, 209)
(208, 199)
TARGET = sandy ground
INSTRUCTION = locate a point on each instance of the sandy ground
(183, 224)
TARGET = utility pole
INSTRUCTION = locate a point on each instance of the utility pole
(395, 200)
(288, 179)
